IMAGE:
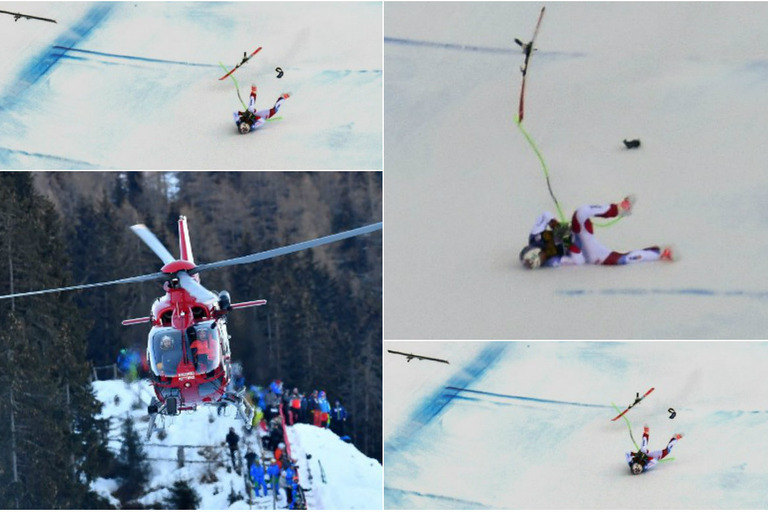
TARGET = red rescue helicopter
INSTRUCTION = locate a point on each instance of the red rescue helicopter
(188, 345)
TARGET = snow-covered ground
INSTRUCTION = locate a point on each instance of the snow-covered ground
(134, 85)
(463, 188)
(339, 476)
(531, 429)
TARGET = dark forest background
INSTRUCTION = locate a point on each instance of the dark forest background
(321, 327)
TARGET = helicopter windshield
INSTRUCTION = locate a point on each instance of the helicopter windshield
(205, 347)
(165, 350)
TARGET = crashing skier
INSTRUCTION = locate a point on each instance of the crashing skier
(643, 460)
(250, 119)
(552, 243)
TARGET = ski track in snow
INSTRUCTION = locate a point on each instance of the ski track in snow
(463, 187)
(114, 100)
(552, 445)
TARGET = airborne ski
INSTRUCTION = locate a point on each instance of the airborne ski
(17, 16)
(527, 50)
(638, 399)
(246, 58)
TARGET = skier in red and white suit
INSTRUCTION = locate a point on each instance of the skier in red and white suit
(552, 244)
(251, 118)
(645, 460)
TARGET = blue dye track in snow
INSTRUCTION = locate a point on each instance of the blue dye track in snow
(432, 405)
(453, 391)
(7, 153)
(492, 50)
(461, 504)
(690, 292)
(43, 64)
(63, 51)
(451, 46)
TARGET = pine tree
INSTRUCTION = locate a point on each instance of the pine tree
(182, 497)
(132, 466)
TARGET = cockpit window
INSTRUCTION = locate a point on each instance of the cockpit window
(165, 350)
(167, 346)
(205, 347)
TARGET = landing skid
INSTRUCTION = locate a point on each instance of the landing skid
(244, 409)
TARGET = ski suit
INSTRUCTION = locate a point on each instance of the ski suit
(649, 459)
(274, 476)
(254, 117)
(584, 247)
(325, 410)
(257, 477)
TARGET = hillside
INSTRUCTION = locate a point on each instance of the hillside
(339, 476)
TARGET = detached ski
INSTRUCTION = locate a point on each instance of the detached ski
(527, 50)
(638, 399)
(246, 58)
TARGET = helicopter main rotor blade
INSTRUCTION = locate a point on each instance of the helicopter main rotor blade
(194, 288)
(153, 243)
(260, 256)
(136, 279)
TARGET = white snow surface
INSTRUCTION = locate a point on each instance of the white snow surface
(463, 187)
(353, 480)
(535, 431)
(135, 85)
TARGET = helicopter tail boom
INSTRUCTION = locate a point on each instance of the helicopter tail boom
(136, 321)
(249, 304)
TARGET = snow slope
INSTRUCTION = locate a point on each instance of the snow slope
(531, 427)
(463, 188)
(353, 481)
(135, 85)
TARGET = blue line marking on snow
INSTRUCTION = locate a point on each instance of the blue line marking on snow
(465, 503)
(43, 63)
(65, 49)
(434, 404)
(450, 46)
(78, 164)
(692, 292)
(514, 50)
(457, 390)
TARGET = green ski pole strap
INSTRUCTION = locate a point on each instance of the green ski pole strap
(543, 167)
(237, 87)
(629, 426)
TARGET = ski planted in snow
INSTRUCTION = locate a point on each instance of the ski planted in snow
(246, 58)
(527, 50)
(638, 399)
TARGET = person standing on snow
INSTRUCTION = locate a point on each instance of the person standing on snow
(325, 410)
(338, 419)
(645, 460)
(552, 244)
(257, 477)
(232, 439)
(250, 119)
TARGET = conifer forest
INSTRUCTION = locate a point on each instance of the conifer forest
(320, 329)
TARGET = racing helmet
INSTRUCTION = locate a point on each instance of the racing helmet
(244, 127)
(531, 257)
(637, 468)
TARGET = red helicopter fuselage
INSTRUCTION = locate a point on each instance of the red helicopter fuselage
(188, 345)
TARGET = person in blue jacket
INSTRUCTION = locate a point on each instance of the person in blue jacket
(257, 477)
(325, 409)
(338, 419)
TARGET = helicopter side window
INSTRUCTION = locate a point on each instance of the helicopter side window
(165, 351)
(166, 316)
(205, 347)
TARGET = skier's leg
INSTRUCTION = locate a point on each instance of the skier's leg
(597, 253)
